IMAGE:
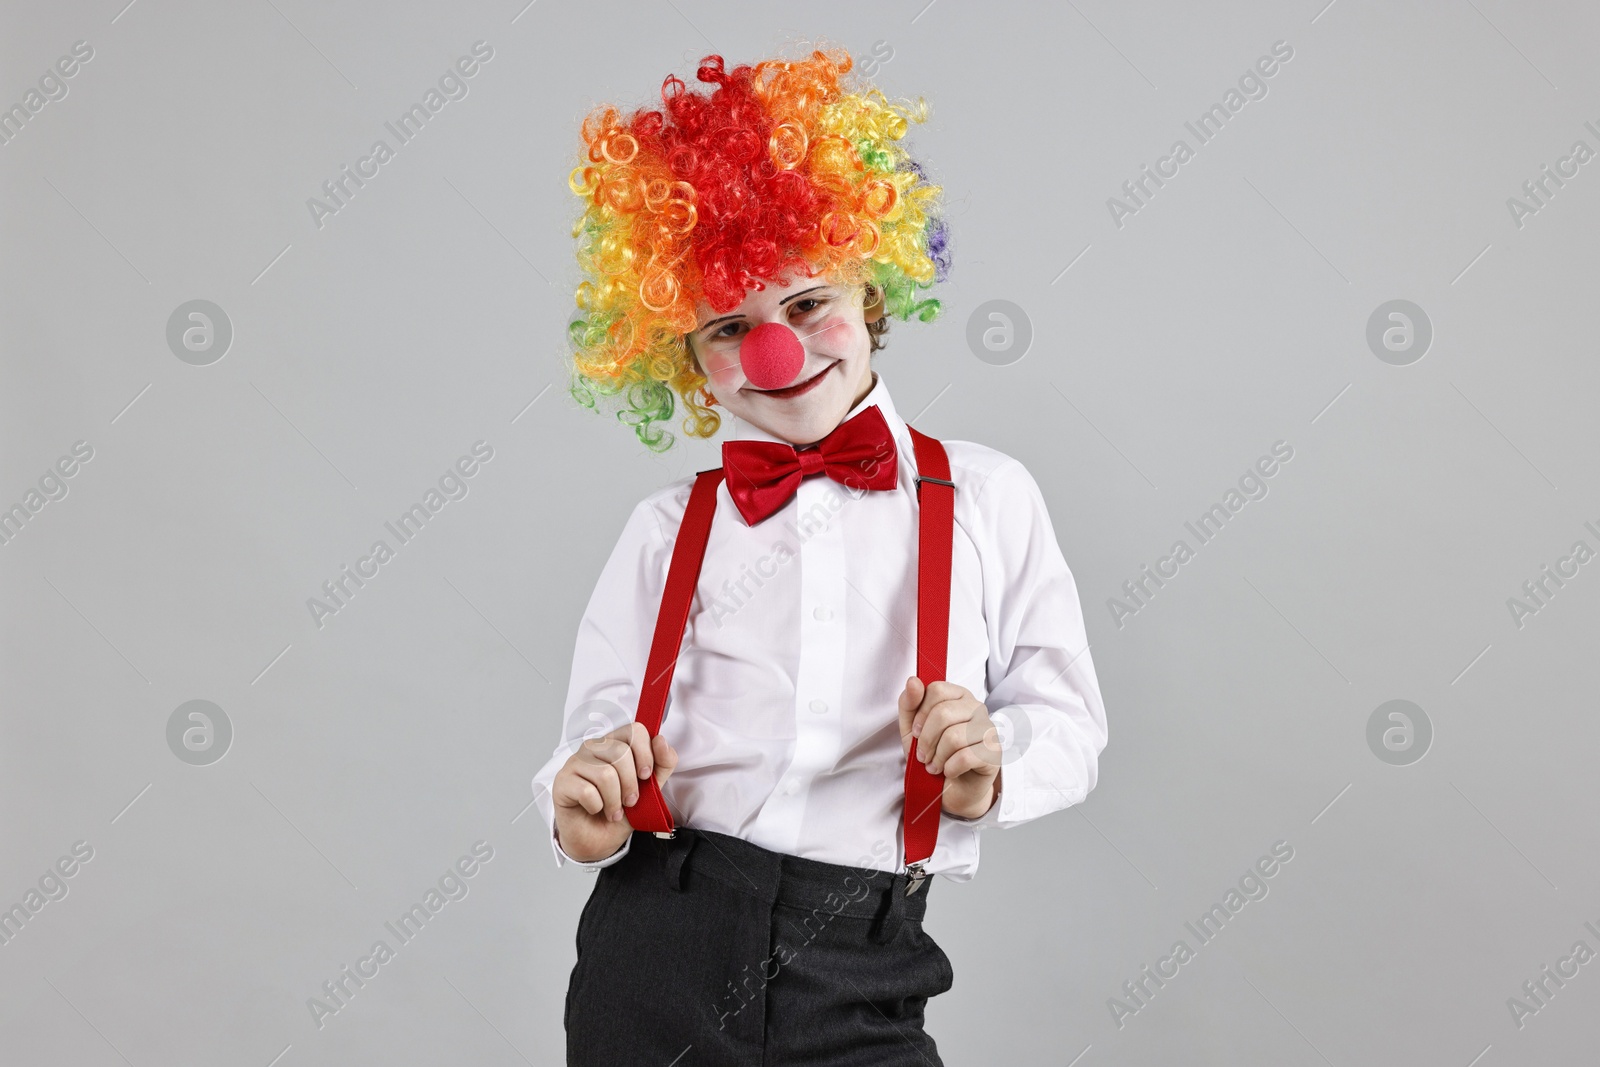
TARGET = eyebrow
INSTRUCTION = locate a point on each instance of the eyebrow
(785, 300)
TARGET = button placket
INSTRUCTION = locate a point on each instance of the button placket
(819, 678)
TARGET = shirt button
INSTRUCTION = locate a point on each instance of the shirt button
(819, 706)
(792, 786)
(821, 614)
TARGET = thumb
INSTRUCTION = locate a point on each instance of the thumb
(666, 758)
(910, 700)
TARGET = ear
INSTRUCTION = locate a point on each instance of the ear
(872, 308)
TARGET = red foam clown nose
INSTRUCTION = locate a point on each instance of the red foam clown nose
(771, 356)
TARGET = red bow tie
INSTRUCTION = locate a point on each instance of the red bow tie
(763, 475)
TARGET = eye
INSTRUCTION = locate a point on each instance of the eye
(807, 306)
(725, 331)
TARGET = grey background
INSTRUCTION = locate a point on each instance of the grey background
(368, 355)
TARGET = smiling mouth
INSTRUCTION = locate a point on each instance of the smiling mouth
(803, 387)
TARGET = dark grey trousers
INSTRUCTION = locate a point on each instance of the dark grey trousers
(709, 951)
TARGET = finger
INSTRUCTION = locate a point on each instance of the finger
(938, 718)
(574, 791)
(639, 741)
(934, 694)
(910, 699)
(965, 721)
(951, 739)
(603, 777)
(969, 759)
(945, 690)
(627, 776)
(919, 722)
(666, 758)
(957, 763)
(617, 754)
(604, 749)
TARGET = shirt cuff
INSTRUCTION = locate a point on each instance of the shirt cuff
(594, 865)
(1036, 780)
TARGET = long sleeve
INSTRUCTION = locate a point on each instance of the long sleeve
(1043, 693)
(609, 655)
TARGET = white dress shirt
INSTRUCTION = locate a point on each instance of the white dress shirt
(783, 707)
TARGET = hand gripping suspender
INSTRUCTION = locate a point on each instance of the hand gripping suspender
(935, 519)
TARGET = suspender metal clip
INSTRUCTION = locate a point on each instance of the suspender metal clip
(918, 876)
(665, 835)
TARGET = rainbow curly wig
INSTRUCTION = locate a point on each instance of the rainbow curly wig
(783, 164)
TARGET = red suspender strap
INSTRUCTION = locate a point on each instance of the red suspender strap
(935, 520)
(650, 812)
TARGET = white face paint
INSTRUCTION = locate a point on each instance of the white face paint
(828, 318)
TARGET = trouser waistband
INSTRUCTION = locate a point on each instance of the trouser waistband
(791, 881)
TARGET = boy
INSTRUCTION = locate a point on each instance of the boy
(744, 248)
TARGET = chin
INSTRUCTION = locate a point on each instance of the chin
(805, 419)
(799, 427)
(820, 411)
